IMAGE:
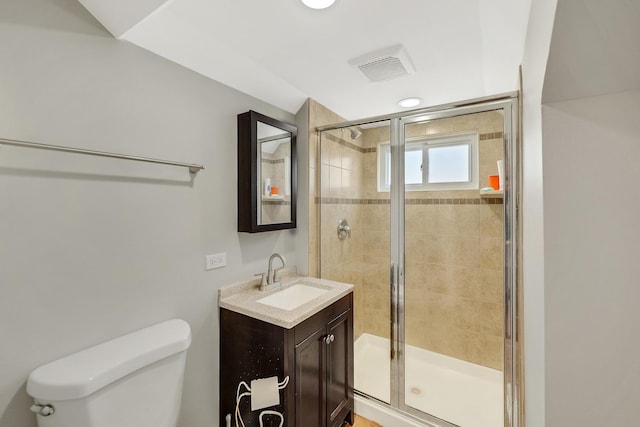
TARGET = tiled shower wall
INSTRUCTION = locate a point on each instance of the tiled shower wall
(453, 249)
(454, 280)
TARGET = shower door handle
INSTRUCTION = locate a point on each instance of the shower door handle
(392, 314)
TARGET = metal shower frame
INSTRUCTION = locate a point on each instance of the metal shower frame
(513, 369)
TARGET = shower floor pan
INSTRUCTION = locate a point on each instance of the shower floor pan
(460, 392)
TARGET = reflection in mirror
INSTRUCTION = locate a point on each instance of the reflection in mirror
(274, 186)
(266, 173)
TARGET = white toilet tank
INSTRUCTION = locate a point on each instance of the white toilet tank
(131, 381)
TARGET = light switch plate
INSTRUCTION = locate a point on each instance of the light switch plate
(215, 261)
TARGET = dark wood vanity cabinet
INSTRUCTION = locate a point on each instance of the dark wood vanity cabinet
(317, 354)
(324, 370)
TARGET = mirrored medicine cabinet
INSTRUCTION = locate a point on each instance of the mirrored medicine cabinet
(267, 174)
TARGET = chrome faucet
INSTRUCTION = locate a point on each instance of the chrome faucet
(273, 281)
(270, 280)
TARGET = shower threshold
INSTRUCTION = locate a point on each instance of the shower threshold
(459, 392)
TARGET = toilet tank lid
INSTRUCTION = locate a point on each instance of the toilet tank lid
(80, 374)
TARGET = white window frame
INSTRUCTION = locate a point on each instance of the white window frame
(425, 143)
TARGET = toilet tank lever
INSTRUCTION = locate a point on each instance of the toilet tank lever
(44, 410)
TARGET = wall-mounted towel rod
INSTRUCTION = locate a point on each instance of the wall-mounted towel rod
(193, 168)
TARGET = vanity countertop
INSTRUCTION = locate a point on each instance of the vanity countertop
(243, 298)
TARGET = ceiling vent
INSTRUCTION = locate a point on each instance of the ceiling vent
(384, 64)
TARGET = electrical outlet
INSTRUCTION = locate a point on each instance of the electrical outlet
(215, 261)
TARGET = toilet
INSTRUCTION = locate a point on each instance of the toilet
(131, 381)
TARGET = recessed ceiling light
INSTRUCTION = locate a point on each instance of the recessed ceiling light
(318, 4)
(410, 102)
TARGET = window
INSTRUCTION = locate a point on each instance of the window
(434, 163)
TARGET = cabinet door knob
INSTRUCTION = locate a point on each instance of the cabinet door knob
(333, 338)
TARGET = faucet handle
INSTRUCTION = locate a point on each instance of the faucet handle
(263, 279)
(275, 274)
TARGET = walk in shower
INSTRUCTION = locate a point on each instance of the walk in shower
(402, 215)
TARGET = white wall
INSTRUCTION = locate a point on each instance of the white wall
(91, 248)
(592, 247)
(533, 70)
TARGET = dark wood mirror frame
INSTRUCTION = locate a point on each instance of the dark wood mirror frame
(249, 183)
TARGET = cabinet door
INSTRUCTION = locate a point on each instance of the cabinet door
(339, 368)
(310, 385)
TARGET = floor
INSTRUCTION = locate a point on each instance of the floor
(363, 422)
(460, 392)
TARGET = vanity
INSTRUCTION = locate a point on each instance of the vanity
(303, 330)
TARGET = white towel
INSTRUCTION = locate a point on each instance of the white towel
(264, 393)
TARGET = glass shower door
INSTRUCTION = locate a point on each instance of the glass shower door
(355, 243)
(406, 216)
(452, 312)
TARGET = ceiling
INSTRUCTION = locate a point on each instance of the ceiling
(283, 52)
(595, 49)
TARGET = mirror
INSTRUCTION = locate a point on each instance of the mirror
(266, 173)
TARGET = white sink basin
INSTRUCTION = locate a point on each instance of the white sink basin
(293, 296)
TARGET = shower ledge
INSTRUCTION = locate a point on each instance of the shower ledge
(495, 194)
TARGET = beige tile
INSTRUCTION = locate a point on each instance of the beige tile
(347, 189)
(491, 285)
(436, 278)
(377, 243)
(334, 273)
(491, 252)
(374, 136)
(324, 183)
(491, 150)
(328, 214)
(321, 115)
(440, 307)
(440, 126)
(415, 130)
(349, 158)
(467, 314)
(378, 325)
(377, 217)
(470, 345)
(491, 220)
(492, 352)
(313, 147)
(423, 219)
(334, 153)
(313, 181)
(416, 249)
(416, 332)
(460, 220)
(324, 149)
(492, 121)
(329, 256)
(492, 319)
(335, 181)
(466, 281)
(369, 170)
(454, 250)
(442, 339)
(356, 221)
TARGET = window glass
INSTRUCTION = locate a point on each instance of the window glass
(448, 164)
(413, 166)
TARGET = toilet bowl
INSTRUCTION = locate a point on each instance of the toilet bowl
(131, 381)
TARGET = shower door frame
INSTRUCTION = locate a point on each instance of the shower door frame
(512, 365)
